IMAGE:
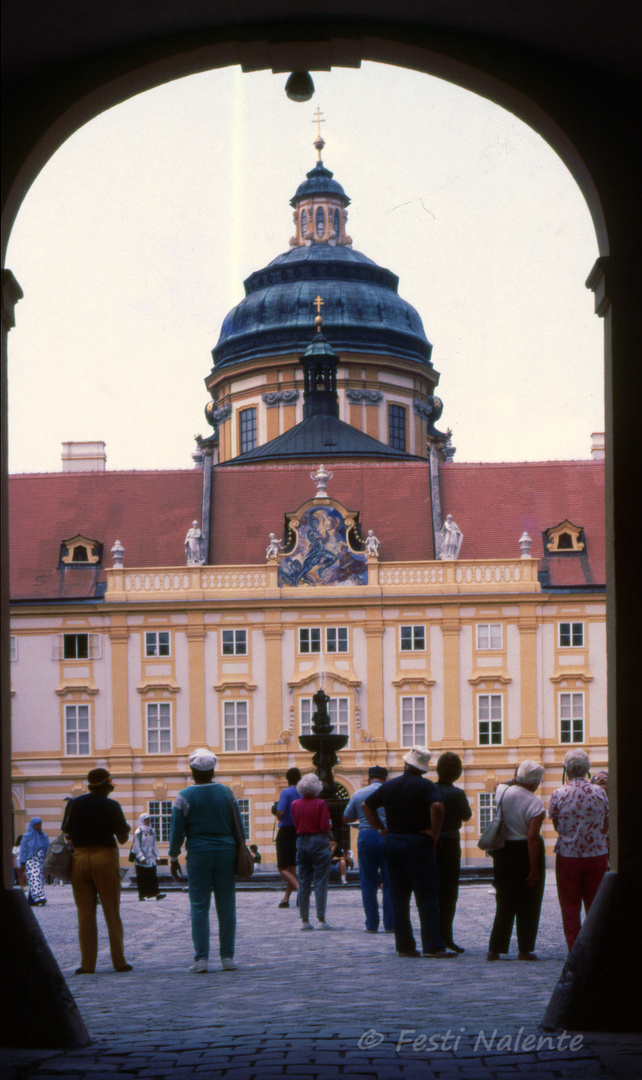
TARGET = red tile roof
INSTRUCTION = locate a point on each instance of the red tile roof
(250, 501)
(149, 512)
(493, 503)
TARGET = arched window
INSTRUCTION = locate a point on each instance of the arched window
(320, 221)
(337, 223)
(304, 223)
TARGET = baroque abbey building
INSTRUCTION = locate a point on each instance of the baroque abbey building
(327, 539)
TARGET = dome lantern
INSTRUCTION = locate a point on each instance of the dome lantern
(320, 203)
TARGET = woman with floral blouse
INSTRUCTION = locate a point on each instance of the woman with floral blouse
(580, 814)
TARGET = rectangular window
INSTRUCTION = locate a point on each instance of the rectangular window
(310, 640)
(247, 428)
(234, 642)
(157, 643)
(489, 716)
(339, 715)
(13, 647)
(160, 812)
(489, 635)
(159, 727)
(571, 635)
(76, 729)
(487, 809)
(336, 639)
(75, 646)
(413, 721)
(413, 638)
(572, 718)
(235, 724)
(306, 716)
(244, 811)
(397, 427)
(338, 711)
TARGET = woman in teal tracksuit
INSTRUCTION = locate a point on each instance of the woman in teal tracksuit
(202, 817)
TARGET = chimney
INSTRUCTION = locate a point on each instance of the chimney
(597, 445)
(83, 457)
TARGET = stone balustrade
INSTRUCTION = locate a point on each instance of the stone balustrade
(213, 582)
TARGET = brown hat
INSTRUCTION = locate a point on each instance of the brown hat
(99, 780)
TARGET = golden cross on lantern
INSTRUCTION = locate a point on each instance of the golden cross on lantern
(318, 304)
(318, 121)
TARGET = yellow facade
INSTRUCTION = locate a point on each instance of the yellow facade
(462, 655)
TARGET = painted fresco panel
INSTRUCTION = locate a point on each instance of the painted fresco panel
(322, 555)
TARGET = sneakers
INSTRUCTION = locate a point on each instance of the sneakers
(127, 967)
(161, 896)
(199, 967)
(324, 926)
(228, 964)
(439, 954)
(409, 954)
(305, 925)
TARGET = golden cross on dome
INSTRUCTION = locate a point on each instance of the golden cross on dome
(318, 121)
(318, 304)
(319, 142)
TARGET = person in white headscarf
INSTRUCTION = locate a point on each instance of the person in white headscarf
(519, 866)
(31, 857)
(146, 852)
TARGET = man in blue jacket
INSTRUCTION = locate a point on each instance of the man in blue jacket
(372, 861)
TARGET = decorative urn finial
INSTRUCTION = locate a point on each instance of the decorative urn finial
(321, 477)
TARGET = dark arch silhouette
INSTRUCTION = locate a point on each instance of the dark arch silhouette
(572, 72)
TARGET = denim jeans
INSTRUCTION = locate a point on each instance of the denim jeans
(207, 871)
(372, 861)
(412, 868)
(313, 857)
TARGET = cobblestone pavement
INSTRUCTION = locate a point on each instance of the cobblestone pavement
(314, 1005)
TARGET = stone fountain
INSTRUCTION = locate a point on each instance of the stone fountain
(323, 744)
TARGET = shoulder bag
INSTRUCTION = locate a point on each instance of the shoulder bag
(494, 835)
(244, 864)
(58, 859)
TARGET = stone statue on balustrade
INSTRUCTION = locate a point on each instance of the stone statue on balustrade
(194, 546)
(371, 544)
(450, 539)
(273, 547)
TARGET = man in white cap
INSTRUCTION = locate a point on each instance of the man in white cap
(202, 816)
(414, 813)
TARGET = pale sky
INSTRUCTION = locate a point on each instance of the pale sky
(133, 243)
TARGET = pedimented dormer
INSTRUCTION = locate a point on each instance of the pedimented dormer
(564, 538)
(80, 550)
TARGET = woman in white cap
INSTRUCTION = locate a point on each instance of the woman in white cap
(519, 865)
(202, 817)
(580, 814)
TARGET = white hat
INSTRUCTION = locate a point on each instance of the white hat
(529, 772)
(203, 760)
(418, 757)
